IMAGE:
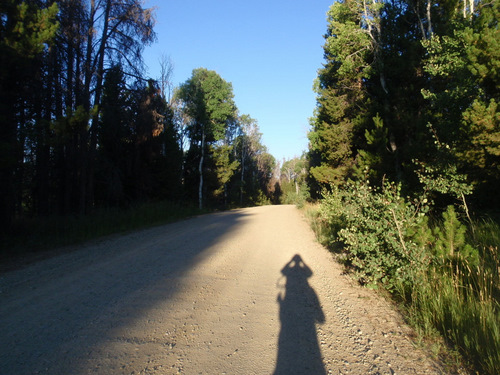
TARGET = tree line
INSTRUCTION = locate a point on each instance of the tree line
(405, 155)
(83, 127)
(409, 87)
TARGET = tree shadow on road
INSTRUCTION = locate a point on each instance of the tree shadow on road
(300, 310)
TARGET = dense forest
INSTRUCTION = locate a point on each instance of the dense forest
(409, 86)
(404, 160)
(83, 128)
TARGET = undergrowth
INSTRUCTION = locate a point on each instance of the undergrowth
(41, 233)
(444, 272)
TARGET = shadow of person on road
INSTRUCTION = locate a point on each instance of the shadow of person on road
(298, 347)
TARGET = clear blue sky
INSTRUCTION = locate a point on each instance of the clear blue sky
(270, 50)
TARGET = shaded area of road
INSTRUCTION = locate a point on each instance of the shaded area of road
(298, 348)
(65, 305)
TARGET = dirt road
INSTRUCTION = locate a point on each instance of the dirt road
(242, 292)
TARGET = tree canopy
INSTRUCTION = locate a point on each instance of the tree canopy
(407, 81)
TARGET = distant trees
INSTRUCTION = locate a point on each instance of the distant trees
(256, 164)
(293, 180)
(82, 127)
(214, 129)
(405, 81)
(208, 102)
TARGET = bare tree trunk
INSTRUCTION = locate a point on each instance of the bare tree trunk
(243, 157)
(470, 3)
(97, 103)
(420, 22)
(82, 150)
(429, 23)
(200, 167)
(88, 57)
(166, 73)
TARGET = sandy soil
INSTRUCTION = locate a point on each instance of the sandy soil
(242, 292)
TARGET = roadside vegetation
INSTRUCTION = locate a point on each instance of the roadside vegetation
(34, 236)
(404, 163)
(443, 270)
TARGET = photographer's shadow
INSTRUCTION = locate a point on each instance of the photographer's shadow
(300, 310)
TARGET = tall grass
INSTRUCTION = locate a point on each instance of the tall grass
(41, 233)
(461, 305)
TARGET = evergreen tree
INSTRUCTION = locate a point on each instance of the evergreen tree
(400, 78)
(115, 141)
(25, 31)
(463, 93)
(342, 99)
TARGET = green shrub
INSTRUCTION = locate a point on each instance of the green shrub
(446, 275)
(376, 228)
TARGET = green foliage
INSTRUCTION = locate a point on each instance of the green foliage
(82, 128)
(341, 97)
(294, 193)
(446, 275)
(463, 65)
(482, 46)
(25, 32)
(261, 199)
(30, 28)
(347, 44)
(484, 123)
(450, 239)
(293, 184)
(225, 167)
(443, 178)
(446, 56)
(443, 71)
(375, 156)
(330, 219)
(376, 232)
(463, 310)
(68, 126)
(208, 102)
(411, 95)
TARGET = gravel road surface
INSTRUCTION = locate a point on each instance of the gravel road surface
(247, 291)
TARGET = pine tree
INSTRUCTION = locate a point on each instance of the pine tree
(25, 31)
(342, 100)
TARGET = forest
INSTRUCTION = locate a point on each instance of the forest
(404, 160)
(409, 86)
(401, 177)
(82, 127)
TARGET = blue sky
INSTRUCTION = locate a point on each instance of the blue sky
(270, 50)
